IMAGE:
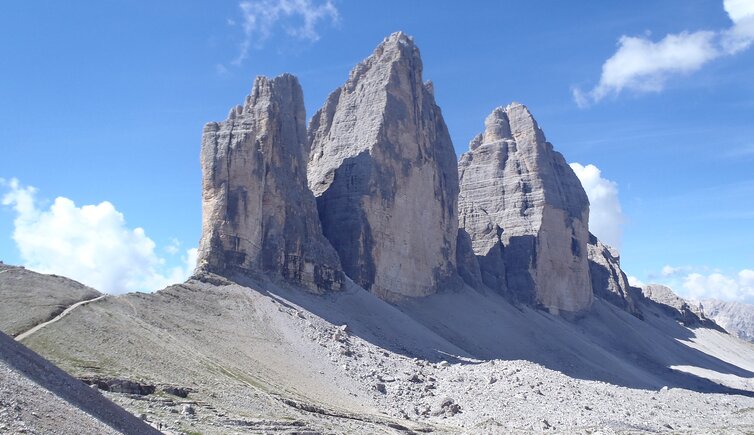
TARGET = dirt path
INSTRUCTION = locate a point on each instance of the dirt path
(31, 331)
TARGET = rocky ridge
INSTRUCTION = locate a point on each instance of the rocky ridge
(30, 298)
(735, 317)
(678, 308)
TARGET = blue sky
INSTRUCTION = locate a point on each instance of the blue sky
(105, 102)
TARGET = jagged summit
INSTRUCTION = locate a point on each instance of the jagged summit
(383, 168)
(522, 202)
(380, 162)
(259, 217)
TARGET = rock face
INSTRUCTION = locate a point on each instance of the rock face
(383, 169)
(486, 246)
(522, 205)
(608, 280)
(258, 215)
(735, 317)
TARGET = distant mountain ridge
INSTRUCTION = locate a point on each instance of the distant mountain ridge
(736, 317)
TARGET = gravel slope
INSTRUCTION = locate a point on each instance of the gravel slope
(263, 357)
(37, 397)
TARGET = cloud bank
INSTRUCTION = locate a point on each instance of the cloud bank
(605, 213)
(739, 287)
(90, 244)
(643, 65)
(298, 18)
(697, 283)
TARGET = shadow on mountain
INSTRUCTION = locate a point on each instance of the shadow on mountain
(71, 390)
(464, 325)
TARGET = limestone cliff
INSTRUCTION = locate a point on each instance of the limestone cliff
(522, 205)
(258, 215)
(383, 169)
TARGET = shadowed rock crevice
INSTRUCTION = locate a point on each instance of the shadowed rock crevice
(608, 280)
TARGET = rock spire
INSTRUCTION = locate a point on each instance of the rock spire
(383, 169)
(258, 215)
(523, 206)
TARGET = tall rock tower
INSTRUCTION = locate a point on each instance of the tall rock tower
(258, 215)
(523, 206)
(383, 169)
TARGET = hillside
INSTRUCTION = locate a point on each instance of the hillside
(263, 356)
(37, 397)
(30, 298)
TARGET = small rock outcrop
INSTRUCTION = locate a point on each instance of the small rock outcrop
(522, 205)
(676, 307)
(608, 280)
(383, 169)
(258, 215)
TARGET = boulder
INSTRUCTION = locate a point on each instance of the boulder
(527, 213)
(258, 215)
(383, 169)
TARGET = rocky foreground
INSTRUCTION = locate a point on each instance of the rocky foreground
(221, 357)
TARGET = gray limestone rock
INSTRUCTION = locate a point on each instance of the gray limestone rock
(690, 315)
(523, 206)
(258, 215)
(608, 280)
(383, 169)
(736, 317)
(466, 261)
(486, 247)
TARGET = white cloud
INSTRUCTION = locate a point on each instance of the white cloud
(298, 18)
(643, 65)
(91, 244)
(173, 247)
(739, 287)
(741, 35)
(605, 214)
(634, 281)
(670, 271)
